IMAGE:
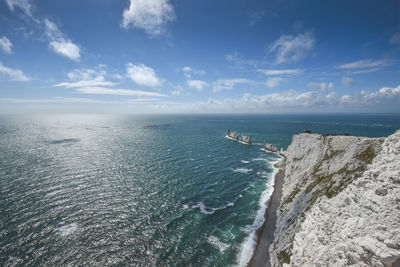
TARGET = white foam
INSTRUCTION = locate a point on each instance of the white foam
(218, 244)
(263, 174)
(68, 229)
(249, 244)
(242, 170)
(203, 208)
(207, 210)
(245, 161)
(260, 159)
(185, 207)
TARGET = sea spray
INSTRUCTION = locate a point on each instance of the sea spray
(248, 246)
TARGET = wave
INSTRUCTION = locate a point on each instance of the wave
(203, 208)
(245, 161)
(66, 230)
(263, 174)
(209, 211)
(218, 244)
(260, 159)
(249, 244)
(258, 144)
(242, 170)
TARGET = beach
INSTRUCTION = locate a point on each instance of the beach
(265, 235)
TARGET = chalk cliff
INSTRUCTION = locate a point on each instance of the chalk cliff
(340, 203)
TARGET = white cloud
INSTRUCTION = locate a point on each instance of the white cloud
(148, 15)
(86, 78)
(292, 48)
(66, 48)
(24, 5)
(273, 81)
(180, 90)
(323, 86)
(126, 92)
(280, 72)
(142, 75)
(93, 81)
(362, 64)
(365, 71)
(6, 45)
(14, 74)
(59, 43)
(384, 99)
(395, 39)
(347, 81)
(239, 61)
(197, 84)
(228, 84)
(188, 72)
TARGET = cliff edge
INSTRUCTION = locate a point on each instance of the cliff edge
(340, 203)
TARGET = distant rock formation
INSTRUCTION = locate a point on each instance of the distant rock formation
(270, 147)
(340, 203)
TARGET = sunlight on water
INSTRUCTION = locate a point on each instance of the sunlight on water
(139, 190)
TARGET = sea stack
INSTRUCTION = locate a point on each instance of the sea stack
(271, 148)
(340, 202)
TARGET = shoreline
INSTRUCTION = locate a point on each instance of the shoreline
(265, 234)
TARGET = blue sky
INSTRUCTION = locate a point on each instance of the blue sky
(190, 56)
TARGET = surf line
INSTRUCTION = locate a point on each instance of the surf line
(249, 244)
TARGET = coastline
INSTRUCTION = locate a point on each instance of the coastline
(250, 243)
(265, 234)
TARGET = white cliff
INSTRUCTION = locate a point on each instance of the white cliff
(341, 202)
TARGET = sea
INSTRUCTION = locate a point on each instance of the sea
(145, 190)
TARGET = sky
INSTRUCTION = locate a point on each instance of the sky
(190, 56)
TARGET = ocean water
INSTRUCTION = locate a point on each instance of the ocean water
(142, 190)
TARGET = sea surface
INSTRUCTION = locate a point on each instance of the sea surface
(160, 190)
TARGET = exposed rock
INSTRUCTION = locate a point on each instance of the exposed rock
(381, 191)
(340, 203)
(271, 148)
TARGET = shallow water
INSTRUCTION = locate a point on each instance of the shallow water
(143, 190)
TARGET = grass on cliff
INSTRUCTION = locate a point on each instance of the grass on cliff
(284, 255)
(330, 188)
(367, 155)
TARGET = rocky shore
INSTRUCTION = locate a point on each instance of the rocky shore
(339, 204)
(265, 235)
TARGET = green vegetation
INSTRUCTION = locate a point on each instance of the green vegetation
(367, 155)
(332, 155)
(291, 196)
(330, 188)
(284, 255)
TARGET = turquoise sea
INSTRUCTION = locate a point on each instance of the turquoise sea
(160, 190)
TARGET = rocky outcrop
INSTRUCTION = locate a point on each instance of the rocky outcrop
(340, 203)
(271, 148)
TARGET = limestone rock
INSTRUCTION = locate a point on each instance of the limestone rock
(270, 147)
(340, 203)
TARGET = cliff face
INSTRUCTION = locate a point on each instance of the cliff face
(340, 203)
